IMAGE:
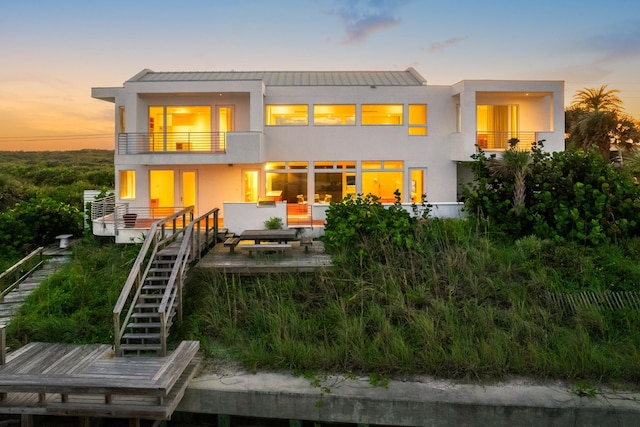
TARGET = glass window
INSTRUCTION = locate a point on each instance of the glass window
(323, 165)
(382, 114)
(288, 185)
(127, 184)
(334, 115)
(393, 164)
(346, 165)
(121, 120)
(274, 165)
(298, 165)
(180, 128)
(371, 165)
(417, 119)
(287, 115)
(382, 184)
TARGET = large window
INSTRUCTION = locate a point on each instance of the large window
(382, 179)
(127, 184)
(496, 125)
(287, 180)
(287, 115)
(382, 114)
(180, 128)
(334, 180)
(417, 119)
(334, 115)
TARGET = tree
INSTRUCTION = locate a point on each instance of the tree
(591, 99)
(513, 165)
(595, 120)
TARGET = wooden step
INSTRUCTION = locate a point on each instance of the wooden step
(144, 325)
(140, 347)
(141, 336)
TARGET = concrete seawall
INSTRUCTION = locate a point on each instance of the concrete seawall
(425, 402)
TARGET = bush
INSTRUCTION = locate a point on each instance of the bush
(570, 195)
(273, 223)
(356, 221)
(36, 222)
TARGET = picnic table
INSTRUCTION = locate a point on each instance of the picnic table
(258, 236)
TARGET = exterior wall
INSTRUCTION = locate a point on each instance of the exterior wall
(438, 154)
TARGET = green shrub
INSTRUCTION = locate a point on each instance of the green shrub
(354, 222)
(273, 223)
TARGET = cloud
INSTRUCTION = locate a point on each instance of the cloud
(439, 47)
(365, 17)
(623, 42)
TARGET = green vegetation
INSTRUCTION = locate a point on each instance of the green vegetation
(273, 223)
(76, 304)
(41, 196)
(571, 195)
(457, 304)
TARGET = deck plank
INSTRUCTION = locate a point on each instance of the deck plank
(89, 381)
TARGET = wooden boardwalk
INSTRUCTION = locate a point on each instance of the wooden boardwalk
(88, 381)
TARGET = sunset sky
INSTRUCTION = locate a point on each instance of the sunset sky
(54, 52)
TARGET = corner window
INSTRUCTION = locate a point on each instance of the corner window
(382, 114)
(334, 115)
(287, 115)
(127, 184)
(417, 119)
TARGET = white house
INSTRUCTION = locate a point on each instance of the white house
(246, 141)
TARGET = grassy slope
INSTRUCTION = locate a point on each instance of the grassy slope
(460, 305)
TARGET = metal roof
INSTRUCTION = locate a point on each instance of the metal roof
(409, 77)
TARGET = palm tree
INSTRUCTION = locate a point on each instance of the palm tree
(591, 99)
(514, 165)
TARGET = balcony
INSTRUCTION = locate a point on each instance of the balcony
(172, 142)
(189, 147)
(499, 140)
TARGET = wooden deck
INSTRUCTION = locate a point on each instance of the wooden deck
(88, 381)
(298, 259)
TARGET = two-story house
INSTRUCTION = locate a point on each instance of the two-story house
(303, 139)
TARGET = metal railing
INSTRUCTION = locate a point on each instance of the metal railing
(499, 140)
(172, 142)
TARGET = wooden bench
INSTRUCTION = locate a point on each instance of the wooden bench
(306, 242)
(268, 247)
(231, 243)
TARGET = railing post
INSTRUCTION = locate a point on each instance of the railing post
(3, 345)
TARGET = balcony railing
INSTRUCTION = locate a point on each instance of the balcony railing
(499, 140)
(172, 142)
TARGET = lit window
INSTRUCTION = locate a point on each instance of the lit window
(393, 164)
(298, 165)
(382, 114)
(417, 119)
(121, 120)
(334, 115)
(275, 165)
(287, 115)
(371, 165)
(127, 184)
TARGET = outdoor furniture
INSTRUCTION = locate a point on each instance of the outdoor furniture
(64, 240)
(306, 242)
(279, 236)
(231, 243)
(267, 247)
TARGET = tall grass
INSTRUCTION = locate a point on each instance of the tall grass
(459, 303)
(75, 305)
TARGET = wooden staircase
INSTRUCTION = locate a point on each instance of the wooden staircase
(151, 299)
(144, 331)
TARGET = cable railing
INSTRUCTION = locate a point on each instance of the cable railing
(499, 140)
(172, 142)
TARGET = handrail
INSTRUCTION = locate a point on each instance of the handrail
(175, 283)
(172, 142)
(155, 238)
(15, 268)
